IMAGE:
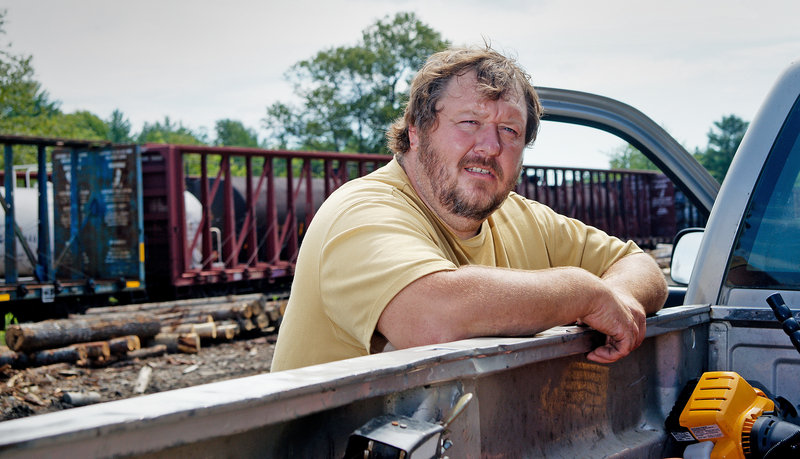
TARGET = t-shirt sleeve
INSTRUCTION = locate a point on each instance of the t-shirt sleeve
(374, 249)
(571, 242)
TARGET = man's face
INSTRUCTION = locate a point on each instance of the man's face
(472, 158)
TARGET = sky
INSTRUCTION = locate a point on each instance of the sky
(685, 64)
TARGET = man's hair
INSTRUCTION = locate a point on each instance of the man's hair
(498, 77)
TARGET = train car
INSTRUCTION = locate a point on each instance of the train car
(255, 205)
(79, 233)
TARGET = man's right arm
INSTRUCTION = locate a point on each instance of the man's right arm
(485, 301)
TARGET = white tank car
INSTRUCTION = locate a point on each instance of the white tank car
(27, 217)
(194, 216)
(26, 213)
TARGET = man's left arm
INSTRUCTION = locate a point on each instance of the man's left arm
(639, 276)
(639, 283)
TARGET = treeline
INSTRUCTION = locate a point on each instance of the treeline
(723, 141)
(349, 95)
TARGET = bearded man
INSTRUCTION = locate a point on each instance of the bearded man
(435, 247)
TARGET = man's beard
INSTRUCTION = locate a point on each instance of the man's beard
(445, 187)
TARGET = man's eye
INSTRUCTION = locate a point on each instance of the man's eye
(510, 130)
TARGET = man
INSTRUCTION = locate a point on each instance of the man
(435, 247)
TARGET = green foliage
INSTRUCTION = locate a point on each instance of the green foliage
(231, 133)
(169, 132)
(629, 157)
(723, 141)
(25, 108)
(350, 95)
(20, 95)
(119, 128)
(8, 320)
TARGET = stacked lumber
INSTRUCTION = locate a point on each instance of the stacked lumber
(80, 340)
(92, 353)
(107, 334)
(49, 334)
(185, 324)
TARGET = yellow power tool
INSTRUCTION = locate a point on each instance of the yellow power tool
(738, 420)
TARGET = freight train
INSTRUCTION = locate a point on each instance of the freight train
(153, 222)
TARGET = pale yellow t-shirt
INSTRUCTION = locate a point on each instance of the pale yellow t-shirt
(374, 236)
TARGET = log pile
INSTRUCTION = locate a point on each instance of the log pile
(106, 334)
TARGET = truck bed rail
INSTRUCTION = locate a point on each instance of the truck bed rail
(532, 397)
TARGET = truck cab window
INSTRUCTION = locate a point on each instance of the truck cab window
(767, 251)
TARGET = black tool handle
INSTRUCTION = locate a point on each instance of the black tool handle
(785, 317)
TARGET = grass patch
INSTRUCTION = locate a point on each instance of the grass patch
(8, 320)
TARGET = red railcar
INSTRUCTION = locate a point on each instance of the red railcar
(256, 204)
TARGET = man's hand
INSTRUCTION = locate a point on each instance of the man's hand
(636, 284)
(622, 318)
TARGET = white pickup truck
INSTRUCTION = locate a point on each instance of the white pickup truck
(515, 397)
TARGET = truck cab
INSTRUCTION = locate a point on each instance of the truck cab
(750, 248)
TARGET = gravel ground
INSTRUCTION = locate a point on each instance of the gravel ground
(38, 390)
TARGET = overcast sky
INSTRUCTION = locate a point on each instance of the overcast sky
(683, 63)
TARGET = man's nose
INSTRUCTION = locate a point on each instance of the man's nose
(488, 140)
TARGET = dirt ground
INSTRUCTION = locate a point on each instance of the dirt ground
(39, 390)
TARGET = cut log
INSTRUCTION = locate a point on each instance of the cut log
(98, 362)
(96, 350)
(187, 343)
(69, 354)
(262, 321)
(167, 305)
(205, 330)
(145, 352)
(257, 306)
(81, 398)
(227, 331)
(216, 311)
(246, 325)
(275, 309)
(14, 359)
(175, 322)
(50, 334)
(124, 344)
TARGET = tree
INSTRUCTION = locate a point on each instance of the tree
(283, 124)
(22, 99)
(628, 157)
(232, 133)
(82, 124)
(722, 145)
(169, 132)
(119, 128)
(26, 108)
(350, 95)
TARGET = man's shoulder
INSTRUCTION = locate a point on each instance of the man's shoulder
(388, 182)
(516, 203)
(378, 196)
(372, 186)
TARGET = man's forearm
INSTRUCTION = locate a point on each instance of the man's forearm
(639, 276)
(482, 301)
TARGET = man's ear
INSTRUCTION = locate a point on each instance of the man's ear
(413, 138)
